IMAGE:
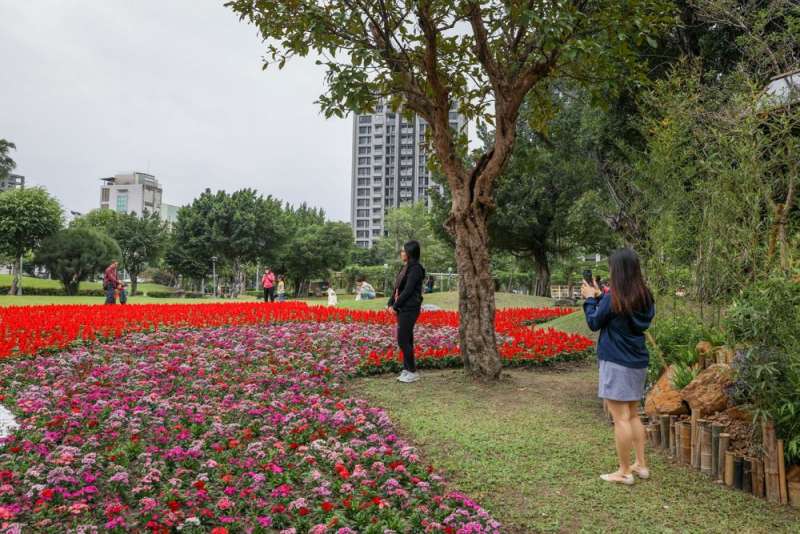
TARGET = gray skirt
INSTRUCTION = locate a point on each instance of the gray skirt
(620, 383)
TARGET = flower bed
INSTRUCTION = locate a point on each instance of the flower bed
(31, 329)
(233, 420)
(221, 429)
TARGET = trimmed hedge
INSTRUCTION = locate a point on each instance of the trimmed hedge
(54, 291)
(175, 294)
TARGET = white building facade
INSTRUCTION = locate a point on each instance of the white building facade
(135, 192)
(390, 168)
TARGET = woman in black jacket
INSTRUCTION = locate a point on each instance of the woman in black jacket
(406, 301)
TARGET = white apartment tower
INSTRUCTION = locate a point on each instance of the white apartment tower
(389, 167)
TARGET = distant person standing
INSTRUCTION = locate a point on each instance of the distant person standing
(406, 301)
(123, 294)
(268, 283)
(281, 289)
(110, 283)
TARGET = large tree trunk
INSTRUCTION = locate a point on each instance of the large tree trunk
(134, 282)
(476, 303)
(542, 288)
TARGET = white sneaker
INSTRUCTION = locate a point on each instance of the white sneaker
(402, 375)
(409, 378)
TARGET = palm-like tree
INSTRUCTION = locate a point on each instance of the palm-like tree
(7, 164)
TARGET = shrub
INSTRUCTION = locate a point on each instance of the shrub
(766, 313)
(75, 254)
(163, 294)
(683, 375)
(768, 384)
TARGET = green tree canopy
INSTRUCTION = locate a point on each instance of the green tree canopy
(317, 249)
(414, 222)
(141, 241)
(75, 254)
(27, 216)
(482, 58)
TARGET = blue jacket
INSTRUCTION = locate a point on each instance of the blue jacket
(621, 336)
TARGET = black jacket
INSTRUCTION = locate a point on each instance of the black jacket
(410, 289)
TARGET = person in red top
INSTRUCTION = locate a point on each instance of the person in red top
(110, 282)
(268, 283)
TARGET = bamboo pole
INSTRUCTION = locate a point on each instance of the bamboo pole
(757, 470)
(665, 432)
(686, 443)
(729, 468)
(772, 479)
(724, 442)
(784, 489)
(716, 430)
(656, 435)
(705, 448)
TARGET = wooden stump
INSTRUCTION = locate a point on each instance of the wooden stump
(724, 442)
(664, 422)
(686, 443)
(747, 475)
(772, 477)
(757, 470)
(673, 435)
(784, 490)
(738, 472)
(730, 468)
(716, 430)
(705, 448)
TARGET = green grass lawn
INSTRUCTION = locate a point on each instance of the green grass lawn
(574, 322)
(446, 301)
(530, 449)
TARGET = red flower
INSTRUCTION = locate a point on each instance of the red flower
(327, 506)
(303, 511)
(174, 505)
(219, 530)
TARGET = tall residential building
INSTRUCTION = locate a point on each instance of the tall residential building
(12, 181)
(389, 167)
(136, 192)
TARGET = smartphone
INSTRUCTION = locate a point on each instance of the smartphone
(587, 275)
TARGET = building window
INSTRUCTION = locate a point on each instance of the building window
(364, 129)
(363, 171)
(363, 150)
(363, 161)
(362, 203)
(363, 140)
(362, 213)
(365, 119)
(122, 203)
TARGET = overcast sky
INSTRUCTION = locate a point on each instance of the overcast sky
(175, 88)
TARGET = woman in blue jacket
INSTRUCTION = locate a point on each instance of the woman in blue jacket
(622, 315)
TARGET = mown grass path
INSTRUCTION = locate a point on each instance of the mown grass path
(530, 449)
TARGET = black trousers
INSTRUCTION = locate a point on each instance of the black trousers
(269, 294)
(406, 320)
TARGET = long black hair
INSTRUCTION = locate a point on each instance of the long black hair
(412, 250)
(629, 293)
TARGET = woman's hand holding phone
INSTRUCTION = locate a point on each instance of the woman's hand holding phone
(589, 290)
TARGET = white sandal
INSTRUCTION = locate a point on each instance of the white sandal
(641, 472)
(619, 478)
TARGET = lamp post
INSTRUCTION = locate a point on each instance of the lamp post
(214, 273)
(385, 273)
